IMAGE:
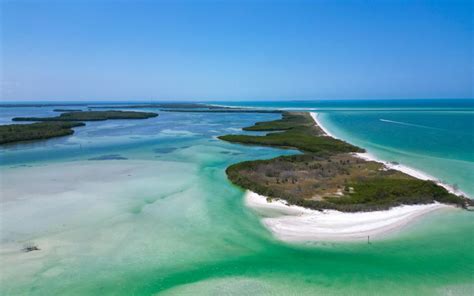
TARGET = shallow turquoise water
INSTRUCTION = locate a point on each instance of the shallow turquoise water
(165, 220)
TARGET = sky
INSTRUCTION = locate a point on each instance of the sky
(235, 50)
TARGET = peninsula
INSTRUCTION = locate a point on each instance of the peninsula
(327, 174)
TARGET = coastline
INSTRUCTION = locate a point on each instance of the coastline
(315, 115)
(389, 165)
(297, 224)
(292, 223)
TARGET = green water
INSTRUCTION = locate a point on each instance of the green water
(166, 221)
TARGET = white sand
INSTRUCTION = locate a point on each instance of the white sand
(315, 115)
(298, 224)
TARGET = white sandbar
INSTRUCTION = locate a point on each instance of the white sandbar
(298, 224)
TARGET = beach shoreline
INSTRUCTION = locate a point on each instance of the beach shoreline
(315, 115)
(394, 166)
(292, 223)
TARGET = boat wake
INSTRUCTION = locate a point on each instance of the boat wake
(411, 124)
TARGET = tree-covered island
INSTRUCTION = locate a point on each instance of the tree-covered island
(12, 133)
(58, 126)
(91, 116)
(327, 175)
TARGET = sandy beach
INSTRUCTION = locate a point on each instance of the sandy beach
(315, 115)
(298, 224)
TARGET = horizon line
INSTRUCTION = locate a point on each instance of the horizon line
(151, 101)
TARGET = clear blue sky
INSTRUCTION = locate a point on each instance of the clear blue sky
(241, 50)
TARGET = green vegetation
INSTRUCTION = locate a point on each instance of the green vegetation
(288, 121)
(36, 131)
(383, 193)
(327, 175)
(61, 125)
(91, 116)
(298, 132)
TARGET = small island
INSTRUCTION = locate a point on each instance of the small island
(12, 133)
(328, 174)
(58, 126)
(91, 116)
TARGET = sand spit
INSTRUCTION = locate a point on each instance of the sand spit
(297, 224)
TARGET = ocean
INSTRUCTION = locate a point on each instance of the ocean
(144, 208)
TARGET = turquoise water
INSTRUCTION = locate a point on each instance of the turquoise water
(160, 217)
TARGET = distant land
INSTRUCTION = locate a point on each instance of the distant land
(12, 133)
(58, 126)
(91, 116)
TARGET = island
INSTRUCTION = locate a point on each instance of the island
(36, 131)
(58, 126)
(327, 174)
(91, 116)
